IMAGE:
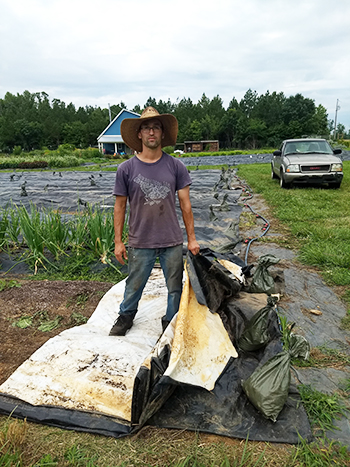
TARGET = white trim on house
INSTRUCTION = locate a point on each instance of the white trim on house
(115, 118)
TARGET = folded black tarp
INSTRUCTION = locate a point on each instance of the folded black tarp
(225, 410)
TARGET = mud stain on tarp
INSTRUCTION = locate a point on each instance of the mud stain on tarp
(201, 347)
(97, 385)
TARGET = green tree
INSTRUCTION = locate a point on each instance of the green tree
(248, 103)
(256, 133)
(298, 116)
(321, 121)
(193, 132)
(228, 127)
(75, 133)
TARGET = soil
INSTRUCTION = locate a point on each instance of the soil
(71, 300)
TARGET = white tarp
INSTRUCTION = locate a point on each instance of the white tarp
(86, 369)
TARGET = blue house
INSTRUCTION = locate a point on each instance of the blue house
(110, 140)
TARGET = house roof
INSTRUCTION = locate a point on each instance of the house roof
(112, 134)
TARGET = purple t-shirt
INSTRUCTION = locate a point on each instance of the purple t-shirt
(151, 189)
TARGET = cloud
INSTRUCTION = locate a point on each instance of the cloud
(95, 53)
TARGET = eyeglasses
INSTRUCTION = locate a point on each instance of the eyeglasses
(147, 129)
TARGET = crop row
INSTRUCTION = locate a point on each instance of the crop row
(46, 237)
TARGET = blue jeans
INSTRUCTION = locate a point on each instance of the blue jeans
(140, 265)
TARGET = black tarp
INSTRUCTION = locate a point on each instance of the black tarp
(225, 410)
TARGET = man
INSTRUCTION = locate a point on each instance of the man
(150, 180)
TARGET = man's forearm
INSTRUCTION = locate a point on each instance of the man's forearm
(119, 219)
(187, 216)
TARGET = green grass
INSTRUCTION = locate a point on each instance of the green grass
(316, 222)
(321, 408)
(23, 444)
(324, 357)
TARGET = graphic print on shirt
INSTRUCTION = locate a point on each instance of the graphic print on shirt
(153, 190)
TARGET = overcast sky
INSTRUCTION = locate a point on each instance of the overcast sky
(99, 52)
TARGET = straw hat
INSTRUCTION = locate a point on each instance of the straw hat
(130, 128)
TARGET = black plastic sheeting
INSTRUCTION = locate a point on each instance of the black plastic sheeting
(214, 203)
(225, 410)
(161, 402)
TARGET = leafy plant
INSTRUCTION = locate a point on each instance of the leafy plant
(4, 222)
(286, 329)
(23, 322)
(32, 231)
(8, 284)
(321, 408)
(14, 227)
(40, 319)
(50, 324)
(56, 232)
(101, 233)
(76, 319)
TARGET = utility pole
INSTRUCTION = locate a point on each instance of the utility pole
(337, 107)
(110, 116)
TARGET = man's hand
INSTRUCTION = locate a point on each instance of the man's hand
(193, 247)
(120, 252)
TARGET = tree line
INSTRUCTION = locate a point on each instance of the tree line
(33, 121)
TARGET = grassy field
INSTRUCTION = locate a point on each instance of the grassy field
(315, 222)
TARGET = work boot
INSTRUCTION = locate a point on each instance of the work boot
(165, 323)
(121, 325)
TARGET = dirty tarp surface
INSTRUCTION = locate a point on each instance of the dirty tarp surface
(84, 369)
(86, 380)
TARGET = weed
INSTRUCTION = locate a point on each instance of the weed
(321, 357)
(345, 322)
(8, 284)
(41, 321)
(23, 322)
(50, 324)
(247, 220)
(79, 300)
(321, 454)
(321, 408)
(79, 456)
(46, 461)
(76, 319)
(286, 329)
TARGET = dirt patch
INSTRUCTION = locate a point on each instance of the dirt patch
(72, 301)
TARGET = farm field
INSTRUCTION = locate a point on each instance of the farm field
(76, 300)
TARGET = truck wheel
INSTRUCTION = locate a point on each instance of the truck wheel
(283, 183)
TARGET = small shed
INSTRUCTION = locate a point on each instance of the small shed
(199, 146)
(110, 140)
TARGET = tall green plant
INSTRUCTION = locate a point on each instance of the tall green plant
(100, 233)
(4, 222)
(32, 230)
(14, 227)
(56, 232)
